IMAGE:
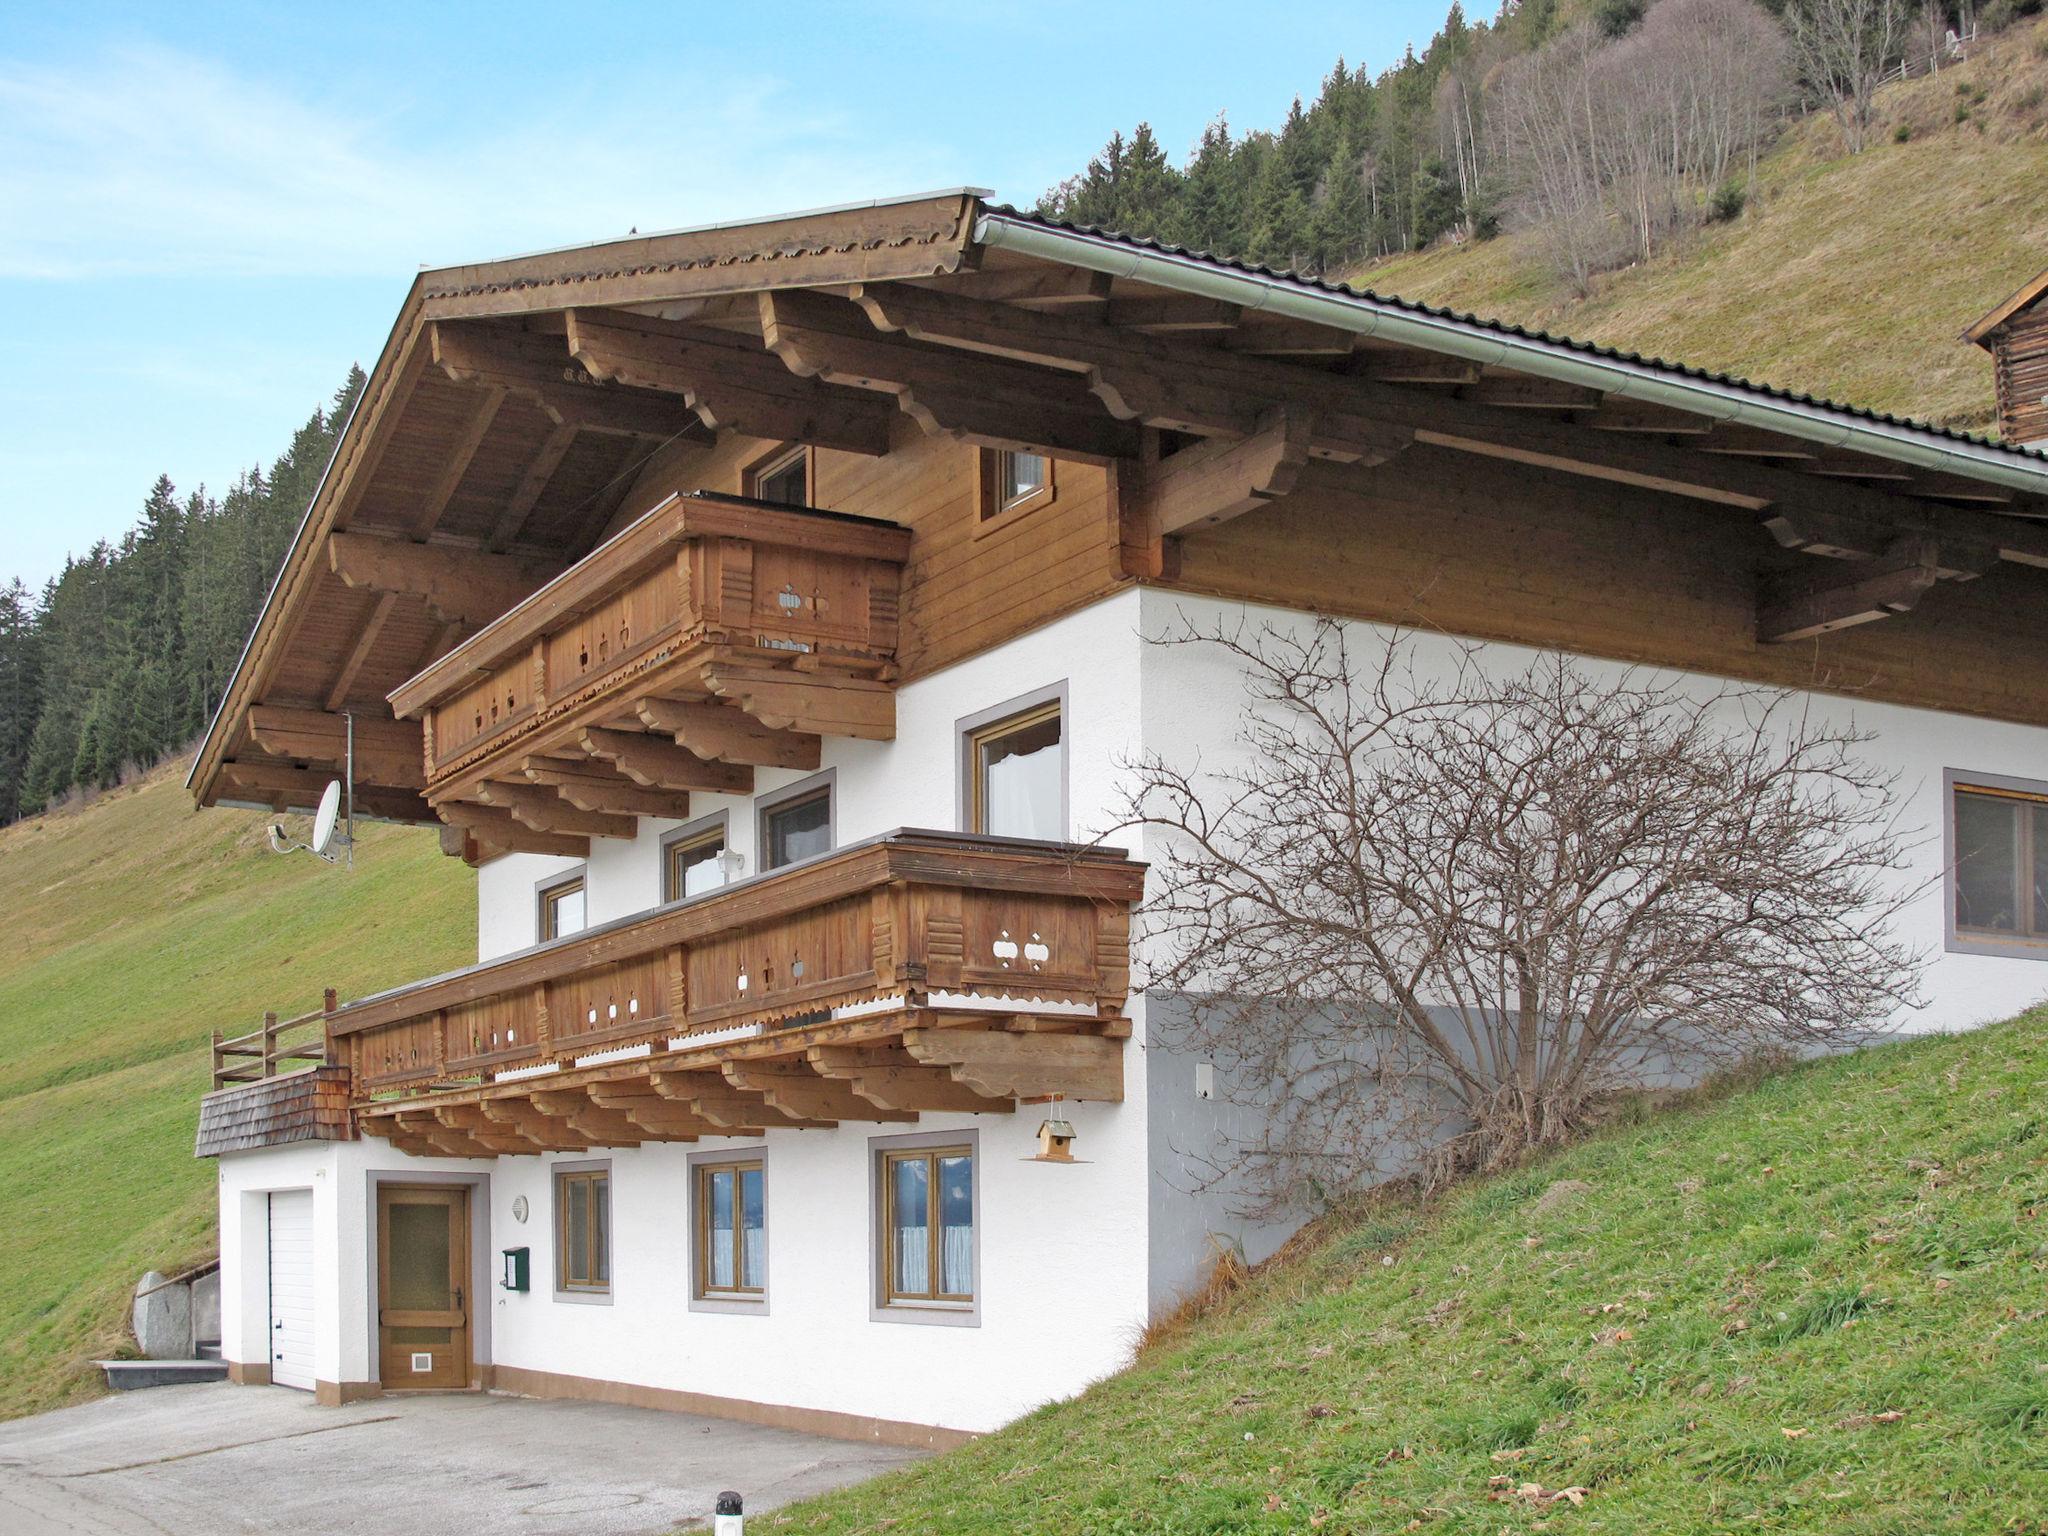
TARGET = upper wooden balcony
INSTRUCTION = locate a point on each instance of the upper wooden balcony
(713, 635)
(917, 971)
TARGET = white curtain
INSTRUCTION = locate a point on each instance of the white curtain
(1024, 795)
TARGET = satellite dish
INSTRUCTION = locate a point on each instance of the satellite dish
(323, 819)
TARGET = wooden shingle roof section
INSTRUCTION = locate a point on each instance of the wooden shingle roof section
(312, 1105)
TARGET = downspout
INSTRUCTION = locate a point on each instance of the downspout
(1435, 333)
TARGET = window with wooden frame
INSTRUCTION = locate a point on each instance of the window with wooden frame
(563, 909)
(731, 1230)
(1016, 774)
(784, 477)
(1013, 483)
(927, 1226)
(1998, 866)
(691, 863)
(583, 1230)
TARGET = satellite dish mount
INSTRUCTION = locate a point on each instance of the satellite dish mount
(337, 805)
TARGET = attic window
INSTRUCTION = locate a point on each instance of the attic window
(1013, 482)
(783, 478)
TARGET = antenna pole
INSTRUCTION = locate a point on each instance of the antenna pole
(348, 779)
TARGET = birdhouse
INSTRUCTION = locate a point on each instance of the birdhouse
(1055, 1142)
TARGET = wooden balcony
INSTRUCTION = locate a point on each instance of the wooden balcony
(920, 971)
(713, 635)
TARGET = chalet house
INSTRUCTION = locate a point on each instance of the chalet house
(761, 610)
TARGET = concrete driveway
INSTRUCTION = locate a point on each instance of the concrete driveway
(199, 1460)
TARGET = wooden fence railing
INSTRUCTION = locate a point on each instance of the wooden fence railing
(279, 1043)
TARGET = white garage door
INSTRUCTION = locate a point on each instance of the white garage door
(291, 1288)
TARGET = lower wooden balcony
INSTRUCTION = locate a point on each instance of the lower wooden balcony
(920, 971)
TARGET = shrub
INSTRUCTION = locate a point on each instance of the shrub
(1902, 133)
(1727, 202)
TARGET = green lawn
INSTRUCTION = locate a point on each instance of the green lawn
(1850, 276)
(134, 926)
(1817, 1304)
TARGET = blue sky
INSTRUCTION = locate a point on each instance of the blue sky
(207, 212)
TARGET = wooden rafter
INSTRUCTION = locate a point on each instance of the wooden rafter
(455, 465)
(727, 735)
(535, 366)
(889, 1076)
(1024, 1066)
(660, 764)
(496, 828)
(533, 484)
(593, 785)
(386, 751)
(1012, 405)
(727, 380)
(796, 1090)
(456, 585)
(544, 810)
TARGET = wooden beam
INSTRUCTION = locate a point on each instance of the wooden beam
(663, 1119)
(1172, 314)
(366, 642)
(533, 483)
(537, 368)
(604, 1126)
(1151, 379)
(1265, 336)
(814, 705)
(458, 586)
(729, 382)
(387, 751)
(523, 1117)
(1519, 392)
(728, 735)
(798, 1091)
(893, 1079)
(1416, 368)
(660, 763)
(299, 789)
(1013, 405)
(546, 811)
(1850, 593)
(497, 828)
(469, 1120)
(1037, 286)
(455, 462)
(710, 1096)
(421, 1125)
(595, 786)
(1221, 478)
(1024, 1066)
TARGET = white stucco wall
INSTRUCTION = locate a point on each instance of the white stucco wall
(1917, 744)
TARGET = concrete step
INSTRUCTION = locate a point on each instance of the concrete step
(132, 1375)
(207, 1349)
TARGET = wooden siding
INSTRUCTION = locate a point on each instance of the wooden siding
(1496, 552)
(312, 1105)
(2020, 354)
(966, 588)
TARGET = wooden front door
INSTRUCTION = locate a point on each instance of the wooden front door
(423, 1285)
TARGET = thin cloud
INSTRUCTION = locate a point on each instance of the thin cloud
(151, 161)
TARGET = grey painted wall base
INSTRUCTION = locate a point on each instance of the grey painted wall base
(132, 1375)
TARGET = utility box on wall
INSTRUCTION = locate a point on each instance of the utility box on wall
(513, 1275)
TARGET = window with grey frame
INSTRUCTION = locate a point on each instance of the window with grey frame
(1017, 774)
(796, 826)
(564, 907)
(1998, 868)
(693, 861)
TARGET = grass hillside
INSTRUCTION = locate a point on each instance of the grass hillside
(1850, 276)
(1818, 1304)
(134, 926)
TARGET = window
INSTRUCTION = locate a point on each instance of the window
(796, 824)
(1998, 866)
(732, 1231)
(692, 862)
(562, 908)
(927, 1201)
(1012, 482)
(1016, 774)
(583, 1237)
(784, 478)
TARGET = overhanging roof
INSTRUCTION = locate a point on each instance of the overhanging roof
(2021, 298)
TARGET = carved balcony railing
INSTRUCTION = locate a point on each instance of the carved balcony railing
(712, 635)
(917, 970)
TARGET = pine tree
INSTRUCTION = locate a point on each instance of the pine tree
(20, 692)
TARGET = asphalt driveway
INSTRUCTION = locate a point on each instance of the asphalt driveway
(199, 1460)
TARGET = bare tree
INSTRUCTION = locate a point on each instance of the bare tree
(1843, 48)
(1435, 917)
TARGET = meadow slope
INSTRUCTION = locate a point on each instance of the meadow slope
(1815, 1304)
(133, 927)
(1849, 276)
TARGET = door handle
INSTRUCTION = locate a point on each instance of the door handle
(458, 1298)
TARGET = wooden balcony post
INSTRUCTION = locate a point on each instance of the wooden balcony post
(217, 1057)
(270, 1042)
